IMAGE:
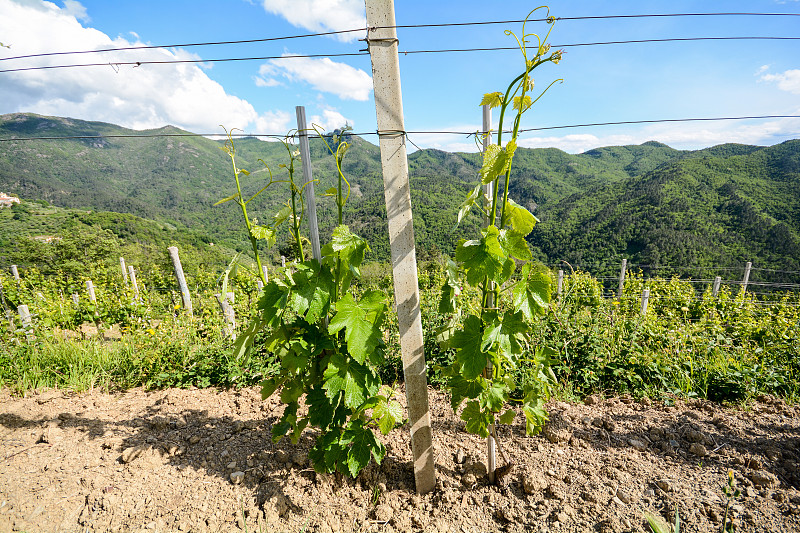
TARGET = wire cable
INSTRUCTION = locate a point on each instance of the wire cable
(136, 64)
(366, 133)
(404, 26)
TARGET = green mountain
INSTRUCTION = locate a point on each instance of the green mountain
(650, 203)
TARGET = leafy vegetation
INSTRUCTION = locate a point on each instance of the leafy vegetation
(721, 206)
(326, 337)
(493, 338)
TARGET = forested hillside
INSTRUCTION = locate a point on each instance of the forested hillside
(650, 203)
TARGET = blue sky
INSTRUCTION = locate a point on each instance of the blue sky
(441, 92)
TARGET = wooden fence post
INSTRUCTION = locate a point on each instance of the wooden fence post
(176, 264)
(645, 297)
(715, 287)
(382, 45)
(124, 270)
(622, 278)
(308, 182)
(132, 275)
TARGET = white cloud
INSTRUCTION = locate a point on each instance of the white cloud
(323, 74)
(148, 96)
(330, 120)
(273, 122)
(684, 136)
(322, 15)
(76, 9)
(788, 81)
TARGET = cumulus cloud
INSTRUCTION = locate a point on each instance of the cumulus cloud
(322, 15)
(149, 96)
(330, 120)
(323, 74)
(788, 81)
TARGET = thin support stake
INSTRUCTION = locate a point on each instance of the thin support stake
(645, 297)
(622, 278)
(382, 44)
(308, 182)
(488, 193)
(176, 263)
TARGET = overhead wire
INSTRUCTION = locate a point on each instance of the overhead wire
(140, 63)
(409, 132)
(398, 26)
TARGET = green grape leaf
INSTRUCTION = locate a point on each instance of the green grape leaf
(494, 397)
(515, 245)
(450, 289)
(363, 445)
(535, 416)
(292, 390)
(269, 386)
(361, 321)
(461, 388)
(356, 380)
(228, 199)
(531, 295)
(281, 216)
(522, 103)
(472, 197)
(326, 451)
(312, 292)
(320, 407)
(470, 357)
(483, 258)
(477, 421)
(387, 413)
(492, 100)
(506, 334)
(521, 220)
(349, 249)
(262, 233)
(507, 417)
(272, 303)
(494, 159)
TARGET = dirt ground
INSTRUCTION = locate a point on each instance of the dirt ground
(200, 460)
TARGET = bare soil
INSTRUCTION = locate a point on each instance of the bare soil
(200, 460)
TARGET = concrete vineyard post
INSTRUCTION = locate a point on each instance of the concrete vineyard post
(560, 282)
(176, 263)
(75, 299)
(266, 273)
(308, 182)
(622, 278)
(124, 270)
(746, 278)
(132, 275)
(715, 288)
(25, 318)
(15, 273)
(645, 297)
(283, 261)
(260, 284)
(92, 298)
(382, 45)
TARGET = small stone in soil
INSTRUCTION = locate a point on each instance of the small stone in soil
(237, 477)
